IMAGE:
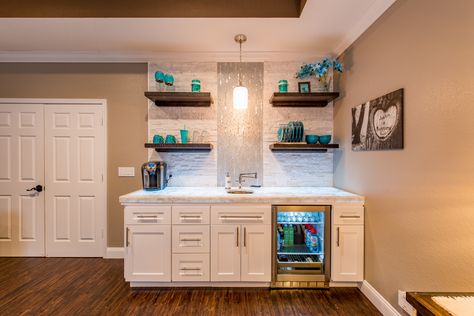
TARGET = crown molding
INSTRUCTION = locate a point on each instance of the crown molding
(375, 11)
(133, 57)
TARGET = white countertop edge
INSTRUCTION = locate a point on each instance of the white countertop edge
(210, 195)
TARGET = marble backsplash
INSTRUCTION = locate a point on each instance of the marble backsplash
(214, 125)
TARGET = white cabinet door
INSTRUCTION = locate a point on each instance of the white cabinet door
(75, 191)
(348, 253)
(225, 252)
(256, 253)
(21, 168)
(148, 253)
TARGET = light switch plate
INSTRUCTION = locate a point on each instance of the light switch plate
(126, 171)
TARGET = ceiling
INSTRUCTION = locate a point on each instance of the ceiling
(326, 27)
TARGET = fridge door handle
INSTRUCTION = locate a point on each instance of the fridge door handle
(337, 239)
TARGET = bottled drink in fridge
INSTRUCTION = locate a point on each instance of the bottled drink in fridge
(286, 235)
(291, 240)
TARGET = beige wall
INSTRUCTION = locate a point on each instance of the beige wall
(420, 200)
(123, 86)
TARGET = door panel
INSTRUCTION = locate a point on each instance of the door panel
(256, 253)
(348, 253)
(225, 253)
(74, 152)
(21, 168)
(148, 253)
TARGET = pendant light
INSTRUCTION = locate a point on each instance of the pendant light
(241, 93)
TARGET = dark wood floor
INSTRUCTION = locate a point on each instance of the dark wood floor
(60, 286)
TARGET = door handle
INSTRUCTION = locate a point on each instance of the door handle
(237, 236)
(337, 240)
(126, 238)
(38, 188)
(245, 236)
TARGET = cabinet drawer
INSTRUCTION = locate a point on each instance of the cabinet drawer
(191, 214)
(190, 238)
(190, 267)
(349, 214)
(148, 214)
(241, 214)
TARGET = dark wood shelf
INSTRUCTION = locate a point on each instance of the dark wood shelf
(198, 99)
(179, 147)
(302, 147)
(296, 99)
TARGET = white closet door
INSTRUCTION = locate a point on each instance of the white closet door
(74, 163)
(21, 168)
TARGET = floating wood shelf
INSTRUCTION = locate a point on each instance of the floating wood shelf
(296, 99)
(198, 99)
(302, 147)
(179, 147)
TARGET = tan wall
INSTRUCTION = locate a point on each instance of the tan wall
(420, 200)
(123, 86)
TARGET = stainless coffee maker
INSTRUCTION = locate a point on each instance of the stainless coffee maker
(154, 175)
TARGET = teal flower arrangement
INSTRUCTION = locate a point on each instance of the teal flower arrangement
(320, 70)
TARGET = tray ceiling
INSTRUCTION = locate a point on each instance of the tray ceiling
(326, 27)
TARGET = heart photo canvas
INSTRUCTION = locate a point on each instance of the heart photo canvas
(378, 124)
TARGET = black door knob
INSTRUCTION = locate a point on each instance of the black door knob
(38, 188)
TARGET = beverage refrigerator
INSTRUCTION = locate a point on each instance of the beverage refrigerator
(301, 244)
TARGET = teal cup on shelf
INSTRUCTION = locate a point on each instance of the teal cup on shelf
(184, 136)
(283, 85)
(170, 139)
(158, 139)
(196, 85)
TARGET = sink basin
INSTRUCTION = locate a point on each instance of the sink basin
(240, 191)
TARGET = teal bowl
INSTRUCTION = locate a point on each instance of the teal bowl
(324, 139)
(311, 139)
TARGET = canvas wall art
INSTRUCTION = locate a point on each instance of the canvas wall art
(378, 124)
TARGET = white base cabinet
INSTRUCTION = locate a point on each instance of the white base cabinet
(148, 253)
(241, 243)
(347, 243)
(225, 244)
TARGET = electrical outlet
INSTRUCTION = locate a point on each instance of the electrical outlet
(403, 303)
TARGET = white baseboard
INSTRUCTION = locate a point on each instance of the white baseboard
(378, 300)
(345, 284)
(114, 253)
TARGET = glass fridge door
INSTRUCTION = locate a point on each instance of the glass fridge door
(300, 240)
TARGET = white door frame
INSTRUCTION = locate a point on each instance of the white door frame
(100, 102)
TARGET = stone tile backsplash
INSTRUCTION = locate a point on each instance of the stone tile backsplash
(202, 169)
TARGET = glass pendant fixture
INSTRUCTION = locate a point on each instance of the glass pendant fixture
(241, 93)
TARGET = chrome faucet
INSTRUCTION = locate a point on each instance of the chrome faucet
(250, 175)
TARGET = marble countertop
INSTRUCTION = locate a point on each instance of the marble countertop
(271, 195)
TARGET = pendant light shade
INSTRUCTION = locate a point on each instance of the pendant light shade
(241, 97)
(241, 93)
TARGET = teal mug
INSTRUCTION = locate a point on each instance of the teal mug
(158, 139)
(170, 139)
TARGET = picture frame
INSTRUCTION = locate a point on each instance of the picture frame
(378, 124)
(304, 87)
